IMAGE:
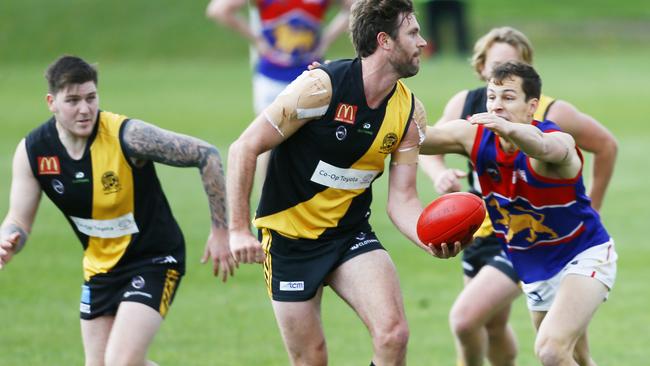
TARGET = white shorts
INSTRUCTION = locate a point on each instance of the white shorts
(598, 262)
(265, 90)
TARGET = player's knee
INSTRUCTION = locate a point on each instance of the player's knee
(552, 351)
(460, 323)
(393, 337)
(314, 353)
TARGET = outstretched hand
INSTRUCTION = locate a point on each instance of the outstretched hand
(316, 64)
(449, 181)
(7, 248)
(492, 122)
(217, 248)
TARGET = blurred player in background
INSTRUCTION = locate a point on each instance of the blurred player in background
(97, 167)
(530, 175)
(286, 36)
(331, 130)
(479, 317)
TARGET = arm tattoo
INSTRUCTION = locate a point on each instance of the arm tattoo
(9, 229)
(147, 142)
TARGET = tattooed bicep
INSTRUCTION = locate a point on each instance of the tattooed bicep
(144, 141)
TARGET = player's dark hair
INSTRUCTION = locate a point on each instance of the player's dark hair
(531, 83)
(370, 17)
(68, 70)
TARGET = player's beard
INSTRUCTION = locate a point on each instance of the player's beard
(403, 62)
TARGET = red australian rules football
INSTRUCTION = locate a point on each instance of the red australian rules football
(450, 218)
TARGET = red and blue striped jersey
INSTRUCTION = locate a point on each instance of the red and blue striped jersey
(543, 223)
(293, 29)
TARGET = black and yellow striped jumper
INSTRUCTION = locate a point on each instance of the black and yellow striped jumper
(117, 210)
(318, 183)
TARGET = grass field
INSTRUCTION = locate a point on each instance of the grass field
(207, 93)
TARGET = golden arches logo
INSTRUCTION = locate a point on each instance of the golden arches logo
(345, 113)
(48, 165)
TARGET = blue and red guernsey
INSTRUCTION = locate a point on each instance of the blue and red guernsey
(543, 223)
(293, 29)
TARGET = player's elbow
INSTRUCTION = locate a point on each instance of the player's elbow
(610, 147)
(218, 10)
(242, 148)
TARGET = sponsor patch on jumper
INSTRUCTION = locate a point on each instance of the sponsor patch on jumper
(113, 228)
(363, 243)
(335, 177)
(346, 113)
(48, 165)
(292, 285)
(84, 305)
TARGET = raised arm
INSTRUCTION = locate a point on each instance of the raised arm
(593, 137)
(335, 27)
(552, 154)
(404, 207)
(24, 198)
(227, 13)
(305, 98)
(445, 179)
(143, 141)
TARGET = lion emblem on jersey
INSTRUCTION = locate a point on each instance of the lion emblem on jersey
(111, 182)
(528, 220)
(388, 143)
(289, 39)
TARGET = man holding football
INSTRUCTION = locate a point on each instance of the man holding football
(330, 132)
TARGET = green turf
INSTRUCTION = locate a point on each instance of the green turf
(164, 63)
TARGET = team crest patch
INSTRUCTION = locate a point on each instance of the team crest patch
(111, 182)
(48, 165)
(387, 144)
(346, 113)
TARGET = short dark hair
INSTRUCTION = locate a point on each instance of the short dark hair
(370, 17)
(531, 83)
(68, 70)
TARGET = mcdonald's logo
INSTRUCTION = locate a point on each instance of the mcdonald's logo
(48, 165)
(346, 113)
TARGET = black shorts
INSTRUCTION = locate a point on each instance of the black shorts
(152, 285)
(296, 268)
(487, 251)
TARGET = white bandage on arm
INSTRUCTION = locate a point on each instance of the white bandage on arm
(273, 123)
(409, 150)
(307, 97)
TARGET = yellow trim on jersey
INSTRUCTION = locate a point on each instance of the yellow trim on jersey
(268, 263)
(540, 114)
(486, 228)
(113, 194)
(309, 219)
(171, 281)
(542, 108)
